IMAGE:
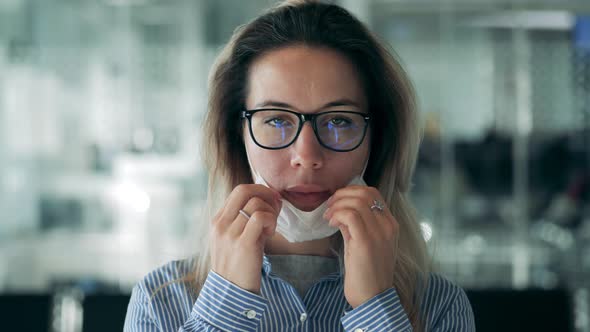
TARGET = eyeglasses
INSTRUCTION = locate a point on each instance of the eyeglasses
(275, 129)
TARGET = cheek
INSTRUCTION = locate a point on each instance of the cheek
(269, 163)
(347, 165)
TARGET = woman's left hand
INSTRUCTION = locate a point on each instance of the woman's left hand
(370, 237)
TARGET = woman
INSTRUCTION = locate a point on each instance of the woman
(313, 135)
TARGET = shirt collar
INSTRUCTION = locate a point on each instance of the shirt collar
(267, 269)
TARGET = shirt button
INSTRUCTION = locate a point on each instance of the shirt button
(251, 314)
(359, 330)
(303, 317)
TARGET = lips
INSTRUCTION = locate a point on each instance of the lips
(307, 197)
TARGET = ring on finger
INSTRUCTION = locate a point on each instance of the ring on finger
(245, 214)
(377, 205)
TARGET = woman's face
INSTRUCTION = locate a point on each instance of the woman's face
(305, 80)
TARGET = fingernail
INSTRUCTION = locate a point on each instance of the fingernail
(326, 213)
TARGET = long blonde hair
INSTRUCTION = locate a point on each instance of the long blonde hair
(395, 129)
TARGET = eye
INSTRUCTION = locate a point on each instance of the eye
(277, 122)
(338, 121)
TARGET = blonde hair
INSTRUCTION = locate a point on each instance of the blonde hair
(391, 103)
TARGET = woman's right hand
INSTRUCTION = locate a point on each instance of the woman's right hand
(237, 243)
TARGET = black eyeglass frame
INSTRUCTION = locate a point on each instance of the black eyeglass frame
(247, 114)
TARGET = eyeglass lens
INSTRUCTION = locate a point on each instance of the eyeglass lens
(336, 130)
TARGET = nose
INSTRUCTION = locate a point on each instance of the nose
(307, 150)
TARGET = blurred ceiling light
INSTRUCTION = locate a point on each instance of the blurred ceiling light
(129, 195)
(426, 229)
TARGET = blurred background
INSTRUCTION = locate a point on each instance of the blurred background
(101, 104)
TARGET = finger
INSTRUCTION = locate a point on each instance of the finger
(254, 204)
(385, 219)
(353, 222)
(368, 217)
(345, 234)
(241, 195)
(261, 224)
(357, 191)
(354, 191)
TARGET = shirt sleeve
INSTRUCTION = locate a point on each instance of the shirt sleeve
(383, 312)
(458, 316)
(141, 317)
(227, 306)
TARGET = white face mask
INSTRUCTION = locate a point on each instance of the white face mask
(297, 225)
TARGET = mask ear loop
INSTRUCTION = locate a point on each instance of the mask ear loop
(253, 172)
(340, 242)
(366, 164)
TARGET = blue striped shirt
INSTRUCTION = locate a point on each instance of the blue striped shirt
(223, 306)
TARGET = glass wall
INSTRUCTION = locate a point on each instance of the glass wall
(101, 106)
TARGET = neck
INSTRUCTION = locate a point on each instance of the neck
(278, 245)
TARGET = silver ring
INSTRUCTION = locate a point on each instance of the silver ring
(242, 212)
(377, 205)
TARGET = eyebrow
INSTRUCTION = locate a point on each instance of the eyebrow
(339, 102)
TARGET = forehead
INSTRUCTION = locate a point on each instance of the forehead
(307, 78)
